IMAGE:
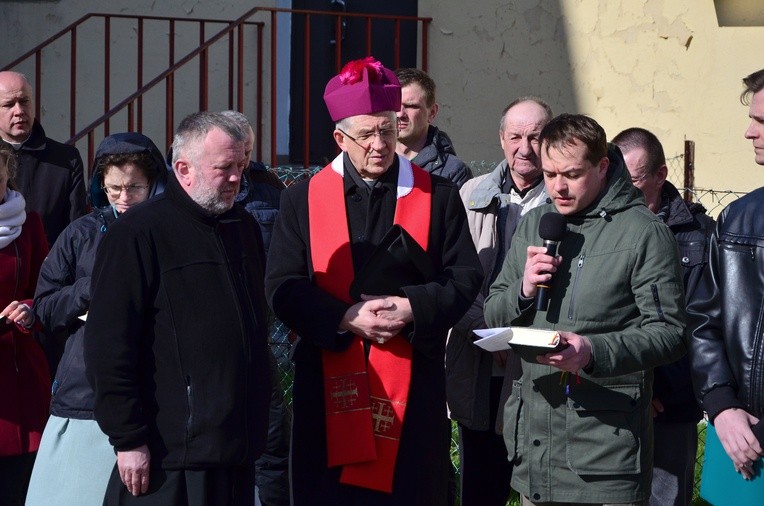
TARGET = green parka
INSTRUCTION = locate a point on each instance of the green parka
(588, 438)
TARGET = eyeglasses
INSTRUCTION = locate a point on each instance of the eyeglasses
(365, 139)
(133, 189)
(637, 179)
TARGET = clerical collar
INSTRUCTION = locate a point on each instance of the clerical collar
(390, 175)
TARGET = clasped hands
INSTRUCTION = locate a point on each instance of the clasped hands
(733, 427)
(377, 318)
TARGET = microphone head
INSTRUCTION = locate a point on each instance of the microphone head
(552, 227)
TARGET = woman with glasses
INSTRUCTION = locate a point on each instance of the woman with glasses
(75, 458)
(24, 376)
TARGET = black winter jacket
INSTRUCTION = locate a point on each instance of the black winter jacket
(439, 157)
(51, 179)
(692, 229)
(727, 345)
(175, 342)
(62, 296)
(63, 288)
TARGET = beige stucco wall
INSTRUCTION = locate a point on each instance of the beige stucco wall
(665, 65)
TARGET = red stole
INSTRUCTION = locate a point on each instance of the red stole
(365, 403)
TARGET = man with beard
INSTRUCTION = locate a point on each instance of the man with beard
(176, 337)
(370, 424)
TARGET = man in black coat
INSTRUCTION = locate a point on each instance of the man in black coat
(50, 174)
(175, 343)
(675, 410)
(370, 424)
(727, 341)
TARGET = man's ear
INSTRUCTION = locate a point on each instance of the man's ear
(340, 139)
(604, 164)
(661, 174)
(433, 112)
(183, 172)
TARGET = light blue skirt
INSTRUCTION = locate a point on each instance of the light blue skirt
(73, 464)
(720, 484)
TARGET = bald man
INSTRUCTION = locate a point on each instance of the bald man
(50, 174)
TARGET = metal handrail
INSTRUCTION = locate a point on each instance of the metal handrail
(201, 52)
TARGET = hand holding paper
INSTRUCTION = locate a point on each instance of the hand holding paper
(575, 353)
(502, 338)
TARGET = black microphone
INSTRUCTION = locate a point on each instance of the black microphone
(552, 228)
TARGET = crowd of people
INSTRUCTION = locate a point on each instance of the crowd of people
(134, 358)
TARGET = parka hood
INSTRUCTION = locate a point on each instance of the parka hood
(620, 194)
(127, 142)
(441, 140)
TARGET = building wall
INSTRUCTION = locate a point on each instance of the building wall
(666, 65)
(673, 66)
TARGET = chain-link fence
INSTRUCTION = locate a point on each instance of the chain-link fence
(681, 172)
(280, 343)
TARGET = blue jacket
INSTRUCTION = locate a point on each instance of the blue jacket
(260, 193)
(63, 288)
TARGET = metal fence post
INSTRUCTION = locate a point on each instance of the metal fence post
(689, 169)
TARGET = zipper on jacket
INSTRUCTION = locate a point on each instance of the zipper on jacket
(753, 400)
(657, 301)
(575, 282)
(190, 401)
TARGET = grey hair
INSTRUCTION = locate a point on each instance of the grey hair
(344, 124)
(194, 128)
(238, 118)
(527, 98)
(347, 123)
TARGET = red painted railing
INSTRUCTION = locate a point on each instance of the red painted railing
(130, 112)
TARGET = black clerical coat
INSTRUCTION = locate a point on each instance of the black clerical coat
(421, 474)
